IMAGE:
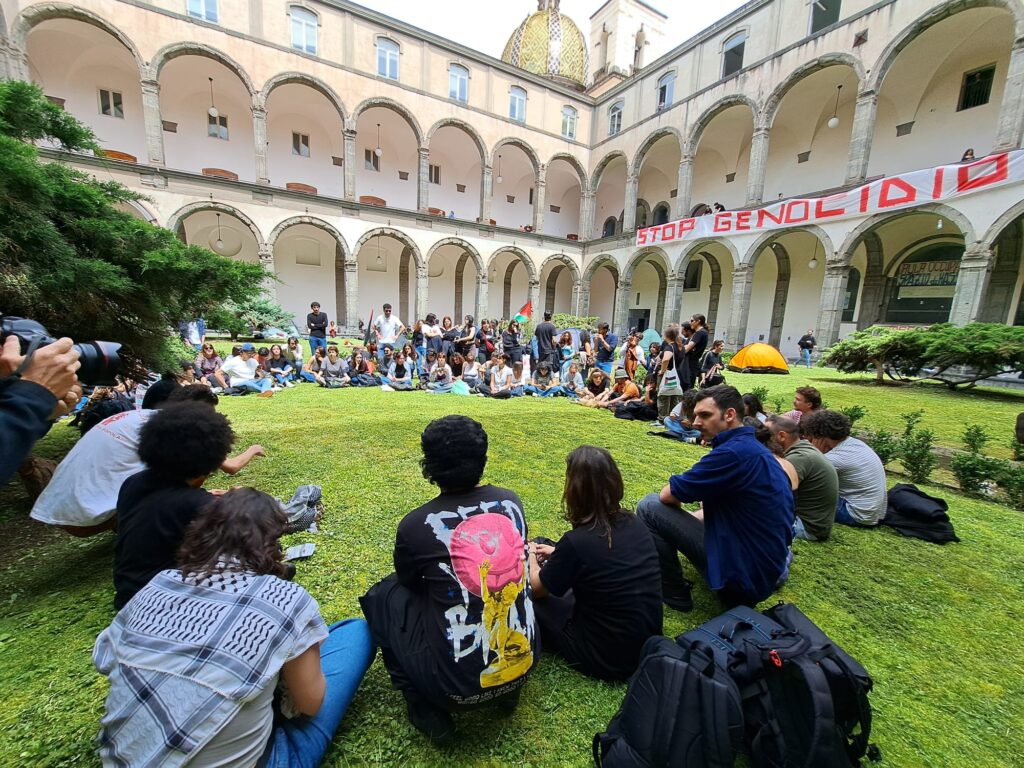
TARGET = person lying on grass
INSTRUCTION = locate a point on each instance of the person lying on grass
(195, 658)
(597, 592)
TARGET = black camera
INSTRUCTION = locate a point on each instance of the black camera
(100, 359)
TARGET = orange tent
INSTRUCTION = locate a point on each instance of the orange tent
(758, 358)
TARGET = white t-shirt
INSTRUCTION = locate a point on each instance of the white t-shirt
(388, 328)
(239, 370)
(502, 376)
(83, 490)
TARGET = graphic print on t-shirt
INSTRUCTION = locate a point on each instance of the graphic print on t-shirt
(488, 559)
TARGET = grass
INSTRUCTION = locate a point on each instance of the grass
(938, 627)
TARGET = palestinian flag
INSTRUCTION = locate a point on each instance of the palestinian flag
(525, 312)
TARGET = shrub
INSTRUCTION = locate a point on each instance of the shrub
(910, 421)
(1011, 480)
(971, 468)
(780, 404)
(564, 320)
(917, 455)
(854, 413)
(761, 393)
(884, 443)
(1017, 447)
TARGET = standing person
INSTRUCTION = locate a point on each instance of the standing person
(316, 326)
(512, 343)
(694, 350)
(597, 592)
(673, 357)
(484, 341)
(566, 353)
(711, 366)
(862, 497)
(818, 491)
(419, 347)
(465, 341)
(184, 691)
(193, 332)
(547, 340)
(244, 373)
(631, 356)
(586, 352)
(432, 334)
(805, 401)
(807, 343)
(208, 367)
(740, 539)
(455, 622)
(449, 333)
(388, 328)
(605, 342)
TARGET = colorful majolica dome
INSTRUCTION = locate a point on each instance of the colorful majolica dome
(549, 43)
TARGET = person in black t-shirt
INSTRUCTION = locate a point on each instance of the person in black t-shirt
(547, 343)
(316, 324)
(180, 445)
(455, 622)
(597, 592)
(695, 348)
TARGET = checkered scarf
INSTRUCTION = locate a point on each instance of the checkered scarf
(183, 657)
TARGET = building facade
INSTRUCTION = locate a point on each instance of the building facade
(362, 160)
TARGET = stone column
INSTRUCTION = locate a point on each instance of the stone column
(673, 301)
(423, 181)
(971, 285)
(830, 307)
(153, 121)
(574, 299)
(621, 322)
(582, 298)
(350, 165)
(486, 195)
(266, 256)
(1011, 111)
(480, 308)
(861, 135)
(422, 300)
(629, 212)
(259, 137)
(352, 294)
(13, 62)
(538, 202)
(586, 226)
(758, 166)
(534, 299)
(739, 305)
(684, 188)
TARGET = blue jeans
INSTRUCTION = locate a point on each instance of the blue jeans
(806, 355)
(800, 532)
(844, 517)
(255, 385)
(421, 355)
(605, 366)
(307, 376)
(282, 378)
(316, 341)
(344, 658)
(677, 428)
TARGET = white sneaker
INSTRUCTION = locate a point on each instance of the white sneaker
(277, 389)
(289, 384)
(386, 388)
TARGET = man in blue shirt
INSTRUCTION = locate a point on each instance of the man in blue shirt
(604, 343)
(740, 540)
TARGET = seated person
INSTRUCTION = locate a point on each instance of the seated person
(623, 392)
(413, 357)
(439, 375)
(597, 593)
(520, 381)
(399, 375)
(182, 692)
(370, 356)
(862, 496)
(752, 407)
(293, 353)
(360, 369)
(502, 380)
(208, 365)
(456, 362)
(818, 492)
(312, 367)
(186, 373)
(81, 497)
(244, 373)
(572, 385)
(545, 381)
(471, 373)
(262, 355)
(805, 400)
(455, 623)
(596, 389)
(764, 437)
(429, 361)
(680, 420)
(334, 370)
(277, 365)
(740, 541)
(181, 446)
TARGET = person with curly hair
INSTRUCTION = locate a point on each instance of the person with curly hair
(597, 592)
(455, 622)
(182, 690)
(806, 400)
(181, 446)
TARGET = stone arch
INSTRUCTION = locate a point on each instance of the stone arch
(175, 50)
(700, 245)
(312, 221)
(771, 105)
(709, 114)
(604, 260)
(300, 78)
(574, 269)
(650, 141)
(465, 128)
(1006, 219)
(531, 270)
(474, 254)
(37, 14)
(521, 144)
(750, 257)
(397, 234)
(179, 216)
(576, 165)
(641, 255)
(595, 178)
(394, 106)
(939, 13)
(845, 253)
(699, 249)
(143, 210)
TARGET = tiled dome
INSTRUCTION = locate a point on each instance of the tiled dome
(548, 43)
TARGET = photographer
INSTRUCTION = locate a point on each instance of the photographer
(30, 399)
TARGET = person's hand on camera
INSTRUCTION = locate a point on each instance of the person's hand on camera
(53, 366)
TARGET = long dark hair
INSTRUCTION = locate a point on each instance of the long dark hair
(239, 530)
(593, 490)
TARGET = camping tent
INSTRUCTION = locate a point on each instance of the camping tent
(758, 358)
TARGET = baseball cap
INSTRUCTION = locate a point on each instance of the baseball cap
(247, 347)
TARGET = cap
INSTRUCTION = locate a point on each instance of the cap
(247, 347)
(620, 373)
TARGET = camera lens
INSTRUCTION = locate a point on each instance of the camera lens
(100, 362)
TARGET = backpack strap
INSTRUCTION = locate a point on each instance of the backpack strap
(718, 749)
(856, 743)
(819, 751)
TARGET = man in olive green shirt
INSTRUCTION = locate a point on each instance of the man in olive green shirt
(818, 491)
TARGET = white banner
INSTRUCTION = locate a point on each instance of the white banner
(905, 190)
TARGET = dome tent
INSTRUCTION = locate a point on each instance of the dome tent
(758, 358)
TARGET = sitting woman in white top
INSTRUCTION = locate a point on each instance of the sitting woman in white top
(502, 380)
(399, 374)
(209, 699)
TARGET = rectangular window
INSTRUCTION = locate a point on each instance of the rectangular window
(203, 9)
(977, 87)
(517, 105)
(824, 13)
(304, 28)
(614, 121)
(371, 160)
(435, 174)
(111, 103)
(217, 127)
(300, 144)
(458, 83)
(732, 55)
(531, 195)
(387, 59)
(569, 118)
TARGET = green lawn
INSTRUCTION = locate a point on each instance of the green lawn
(938, 627)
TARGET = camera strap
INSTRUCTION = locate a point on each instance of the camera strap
(26, 361)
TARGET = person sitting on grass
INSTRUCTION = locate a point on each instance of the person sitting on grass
(399, 376)
(360, 371)
(817, 495)
(293, 353)
(471, 374)
(680, 420)
(623, 392)
(502, 380)
(333, 371)
(597, 592)
(806, 400)
(186, 373)
(277, 365)
(753, 408)
(545, 382)
(457, 363)
(412, 357)
(596, 389)
(862, 497)
(244, 373)
(81, 497)
(181, 446)
(207, 367)
(764, 437)
(455, 621)
(740, 539)
(572, 385)
(188, 688)
(312, 367)
(439, 377)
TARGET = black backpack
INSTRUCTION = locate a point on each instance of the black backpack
(681, 710)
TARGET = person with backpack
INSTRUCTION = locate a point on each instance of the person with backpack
(597, 592)
(740, 540)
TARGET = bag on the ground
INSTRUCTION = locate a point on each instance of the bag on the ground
(636, 410)
(680, 710)
(914, 513)
(304, 508)
(670, 383)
